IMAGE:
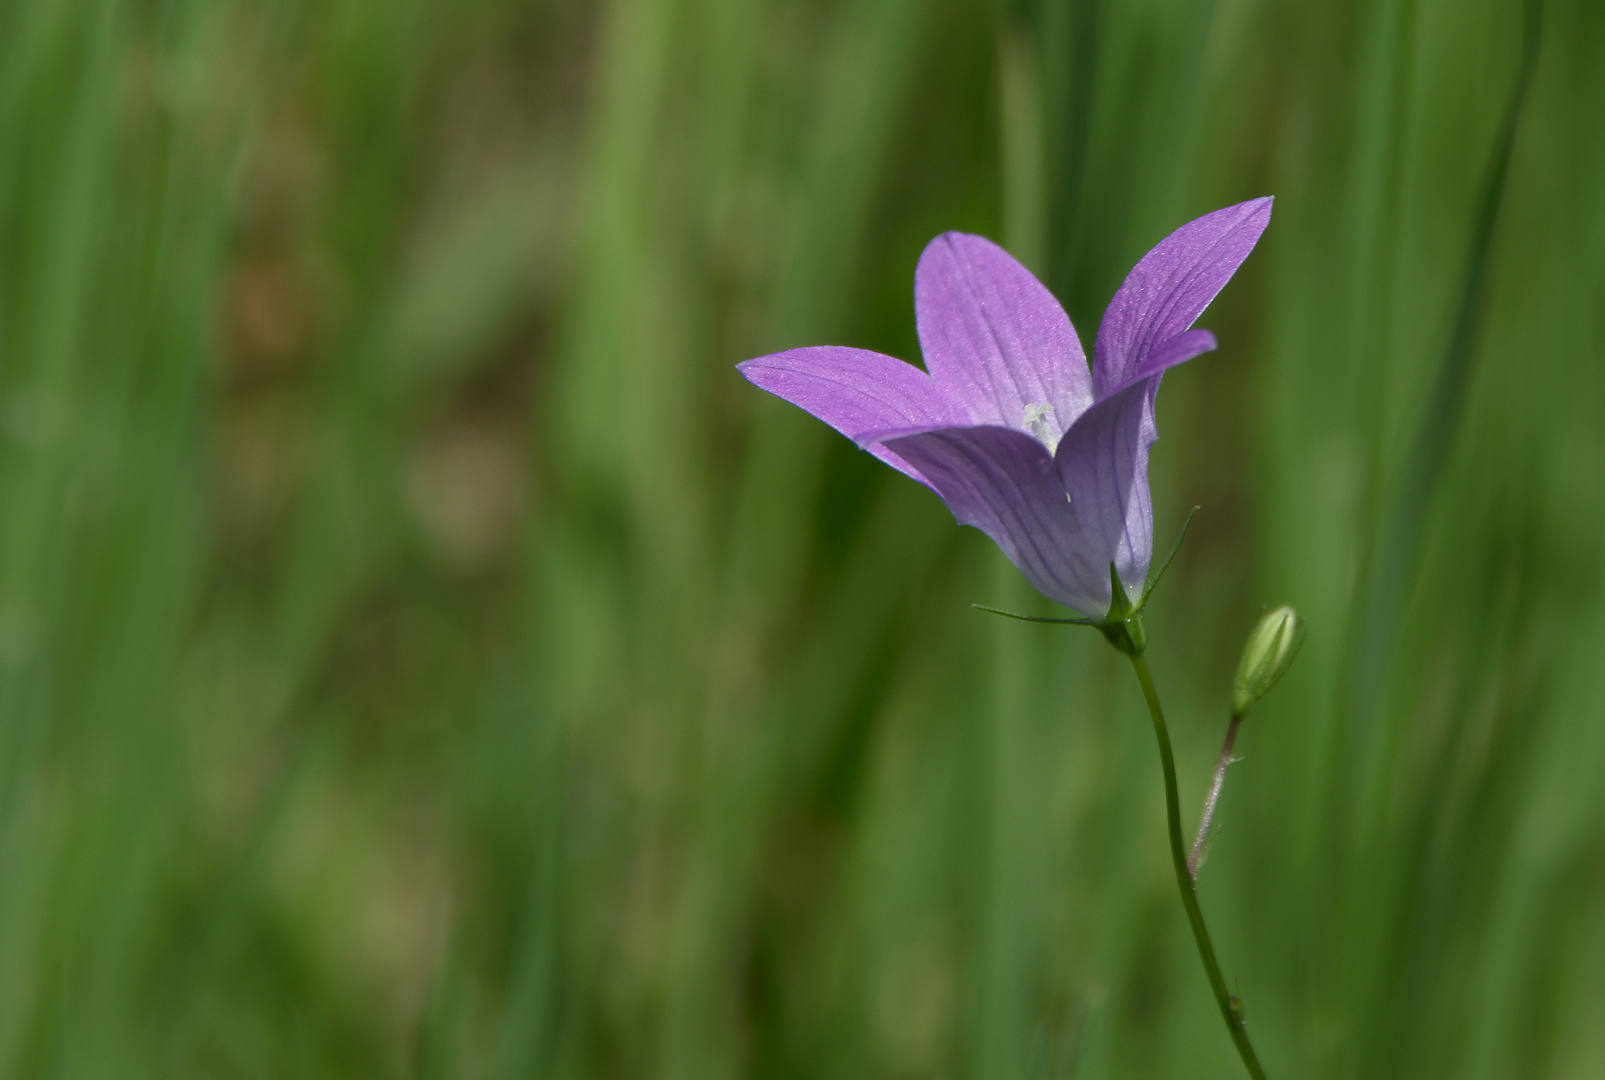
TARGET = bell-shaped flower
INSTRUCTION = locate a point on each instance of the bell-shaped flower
(1007, 424)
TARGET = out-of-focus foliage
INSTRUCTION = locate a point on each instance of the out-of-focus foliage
(422, 655)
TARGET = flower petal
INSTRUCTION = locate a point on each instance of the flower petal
(1003, 482)
(1103, 464)
(1178, 350)
(856, 392)
(1171, 287)
(995, 339)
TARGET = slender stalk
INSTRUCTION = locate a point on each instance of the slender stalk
(1197, 857)
(1230, 1010)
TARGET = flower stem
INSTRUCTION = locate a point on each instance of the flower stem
(1197, 857)
(1231, 1011)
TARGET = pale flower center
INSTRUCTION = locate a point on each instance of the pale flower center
(1036, 418)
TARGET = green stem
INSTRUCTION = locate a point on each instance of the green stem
(1230, 1010)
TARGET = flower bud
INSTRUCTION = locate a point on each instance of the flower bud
(1267, 656)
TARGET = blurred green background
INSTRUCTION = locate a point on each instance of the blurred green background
(421, 654)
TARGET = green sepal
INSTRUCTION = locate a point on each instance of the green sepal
(1123, 627)
(1153, 582)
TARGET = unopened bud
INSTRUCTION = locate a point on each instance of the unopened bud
(1267, 656)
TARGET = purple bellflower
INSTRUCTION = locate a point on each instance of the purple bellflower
(1007, 425)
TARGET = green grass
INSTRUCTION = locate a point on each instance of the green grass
(422, 655)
